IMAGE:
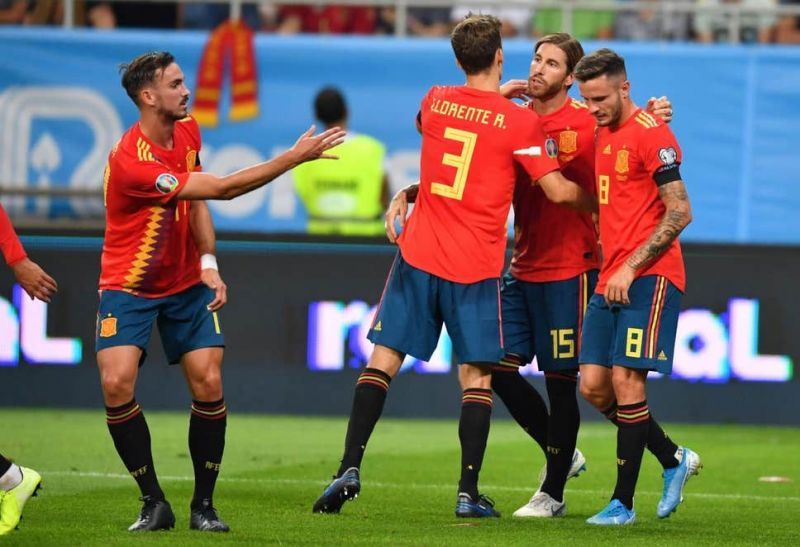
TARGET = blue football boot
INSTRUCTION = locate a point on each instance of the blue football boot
(339, 491)
(614, 514)
(675, 479)
(466, 507)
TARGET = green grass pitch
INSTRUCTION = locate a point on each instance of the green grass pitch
(274, 468)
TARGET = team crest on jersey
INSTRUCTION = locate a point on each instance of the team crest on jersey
(108, 327)
(568, 142)
(166, 183)
(622, 162)
(668, 156)
(191, 160)
(551, 147)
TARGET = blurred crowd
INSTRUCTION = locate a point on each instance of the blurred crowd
(760, 25)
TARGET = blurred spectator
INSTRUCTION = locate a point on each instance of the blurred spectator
(210, 16)
(329, 19)
(429, 21)
(586, 24)
(755, 25)
(51, 12)
(652, 23)
(162, 15)
(347, 196)
(515, 20)
(12, 12)
(787, 30)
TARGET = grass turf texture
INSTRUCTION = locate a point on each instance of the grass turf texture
(275, 467)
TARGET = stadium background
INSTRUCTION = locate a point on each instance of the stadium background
(295, 321)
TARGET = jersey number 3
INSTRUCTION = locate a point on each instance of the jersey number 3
(460, 162)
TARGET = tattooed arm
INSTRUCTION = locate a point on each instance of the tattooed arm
(677, 216)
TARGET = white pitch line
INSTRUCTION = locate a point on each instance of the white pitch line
(310, 482)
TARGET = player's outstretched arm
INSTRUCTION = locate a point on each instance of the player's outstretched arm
(308, 147)
(563, 191)
(398, 209)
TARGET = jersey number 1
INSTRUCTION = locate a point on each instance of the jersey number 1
(460, 162)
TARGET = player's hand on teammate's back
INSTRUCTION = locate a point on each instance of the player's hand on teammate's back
(515, 89)
(618, 284)
(310, 147)
(661, 107)
(34, 280)
(398, 208)
(211, 278)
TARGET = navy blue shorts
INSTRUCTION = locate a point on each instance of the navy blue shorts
(415, 304)
(640, 335)
(544, 319)
(184, 322)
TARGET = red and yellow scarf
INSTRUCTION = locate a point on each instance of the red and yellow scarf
(231, 41)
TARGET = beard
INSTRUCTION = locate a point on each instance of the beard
(544, 92)
(174, 114)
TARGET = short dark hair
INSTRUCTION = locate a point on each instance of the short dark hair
(571, 47)
(329, 105)
(475, 42)
(601, 62)
(142, 71)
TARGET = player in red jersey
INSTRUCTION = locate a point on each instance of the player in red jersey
(158, 265)
(474, 143)
(17, 483)
(632, 318)
(553, 272)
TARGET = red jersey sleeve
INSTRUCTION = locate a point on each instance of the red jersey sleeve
(660, 152)
(152, 181)
(12, 249)
(533, 154)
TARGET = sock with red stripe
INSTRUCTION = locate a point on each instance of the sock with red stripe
(131, 437)
(661, 446)
(207, 426)
(370, 395)
(633, 424)
(473, 432)
(562, 430)
(523, 402)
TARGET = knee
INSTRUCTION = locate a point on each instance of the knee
(208, 387)
(596, 394)
(117, 389)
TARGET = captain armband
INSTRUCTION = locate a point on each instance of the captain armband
(666, 174)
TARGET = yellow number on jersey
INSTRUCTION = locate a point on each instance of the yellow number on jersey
(563, 343)
(633, 343)
(602, 192)
(460, 162)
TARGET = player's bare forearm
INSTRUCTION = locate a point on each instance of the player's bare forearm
(308, 147)
(677, 216)
(563, 191)
(202, 227)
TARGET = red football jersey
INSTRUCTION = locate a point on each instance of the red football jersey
(626, 160)
(553, 242)
(148, 248)
(473, 143)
